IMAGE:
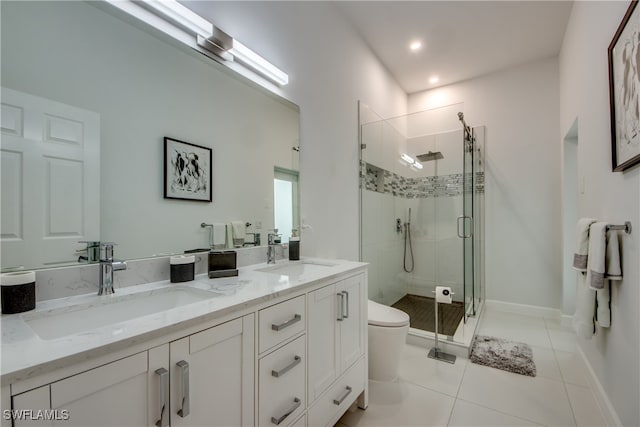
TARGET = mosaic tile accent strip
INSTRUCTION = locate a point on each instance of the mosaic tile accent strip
(380, 180)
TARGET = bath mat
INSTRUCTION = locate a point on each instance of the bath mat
(503, 354)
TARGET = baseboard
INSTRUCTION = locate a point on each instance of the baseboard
(566, 320)
(606, 407)
(523, 309)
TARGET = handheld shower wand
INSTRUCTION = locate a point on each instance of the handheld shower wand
(407, 239)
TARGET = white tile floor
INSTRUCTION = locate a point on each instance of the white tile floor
(432, 393)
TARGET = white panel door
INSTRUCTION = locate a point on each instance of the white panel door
(323, 363)
(352, 328)
(50, 182)
(212, 376)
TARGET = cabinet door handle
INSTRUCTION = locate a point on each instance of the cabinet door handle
(341, 305)
(164, 392)
(343, 397)
(286, 324)
(184, 411)
(296, 404)
(281, 372)
(346, 294)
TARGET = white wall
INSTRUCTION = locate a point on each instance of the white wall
(330, 69)
(519, 107)
(613, 354)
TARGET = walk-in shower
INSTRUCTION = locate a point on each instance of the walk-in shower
(426, 167)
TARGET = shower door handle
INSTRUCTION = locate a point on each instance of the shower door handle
(463, 218)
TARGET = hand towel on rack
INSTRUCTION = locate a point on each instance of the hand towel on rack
(597, 251)
(582, 243)
(612, 272)
(239, 233)
(219, 236)
(585, 308)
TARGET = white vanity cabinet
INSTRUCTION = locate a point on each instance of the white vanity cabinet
(202, 379)
(296, 360)
(115, 394)
(336, 335)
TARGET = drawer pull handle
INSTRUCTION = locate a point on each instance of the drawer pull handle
(341, 305)
(286, 324)
(281, 372)
(164, 393)
(343, 397)
(346, 294)
(296, 404)
(184, 411)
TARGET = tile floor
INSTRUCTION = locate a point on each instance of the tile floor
(432, 393)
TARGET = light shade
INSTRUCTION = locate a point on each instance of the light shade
(182, 16)
(418, 165)
(251, 59)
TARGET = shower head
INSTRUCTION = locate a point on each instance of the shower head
(430, 156)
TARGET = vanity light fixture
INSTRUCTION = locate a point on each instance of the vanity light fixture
(211, 38)
(181, 15)
(243, 54)
(407, 158)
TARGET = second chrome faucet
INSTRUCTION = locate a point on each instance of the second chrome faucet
(107, 266)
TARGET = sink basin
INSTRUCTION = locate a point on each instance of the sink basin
(111, 310)
(296, 269)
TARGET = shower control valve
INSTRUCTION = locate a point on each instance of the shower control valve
(398, 225)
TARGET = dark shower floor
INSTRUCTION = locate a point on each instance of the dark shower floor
(421, 311)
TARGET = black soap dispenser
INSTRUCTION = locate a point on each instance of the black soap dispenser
(294, 246)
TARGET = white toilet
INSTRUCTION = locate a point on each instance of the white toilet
(388, 328)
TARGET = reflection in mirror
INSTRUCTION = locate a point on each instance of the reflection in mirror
(87, 100)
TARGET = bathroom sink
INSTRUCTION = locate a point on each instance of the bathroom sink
(295, 269)
(111, 310)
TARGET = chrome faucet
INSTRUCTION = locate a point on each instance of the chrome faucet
(107, 266)
(273, 239)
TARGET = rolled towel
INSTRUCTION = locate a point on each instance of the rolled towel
(582, 243)
(597, 253)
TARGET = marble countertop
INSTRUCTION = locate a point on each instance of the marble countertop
(25, 354)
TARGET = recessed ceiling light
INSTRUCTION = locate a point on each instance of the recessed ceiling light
(434, 80)
(415, 45)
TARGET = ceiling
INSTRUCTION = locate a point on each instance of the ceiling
(460, 39)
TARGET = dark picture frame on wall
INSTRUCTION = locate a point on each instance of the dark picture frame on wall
(624, 91)
(187, 171)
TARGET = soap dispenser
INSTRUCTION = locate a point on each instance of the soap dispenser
(294, 246)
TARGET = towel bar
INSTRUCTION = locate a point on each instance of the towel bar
(626, 227)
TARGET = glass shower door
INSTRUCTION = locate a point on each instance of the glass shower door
(465, 225)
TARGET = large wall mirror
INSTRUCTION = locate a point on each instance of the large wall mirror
(87, 100)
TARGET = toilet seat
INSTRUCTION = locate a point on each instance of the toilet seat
(382, 315)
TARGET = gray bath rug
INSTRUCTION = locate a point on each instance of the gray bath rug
(503, 354)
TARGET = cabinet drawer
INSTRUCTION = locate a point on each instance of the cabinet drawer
(339, 397)
(280, 322)
(281, 384)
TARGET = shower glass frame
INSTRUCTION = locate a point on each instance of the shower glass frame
(373, 130)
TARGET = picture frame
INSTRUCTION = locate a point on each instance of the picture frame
(624, 91)
(188, 171)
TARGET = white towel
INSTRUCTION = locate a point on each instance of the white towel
(582, 243)
(239, 233)
(585, 308)
(219, 236)
(597, 252)
(613, 271)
